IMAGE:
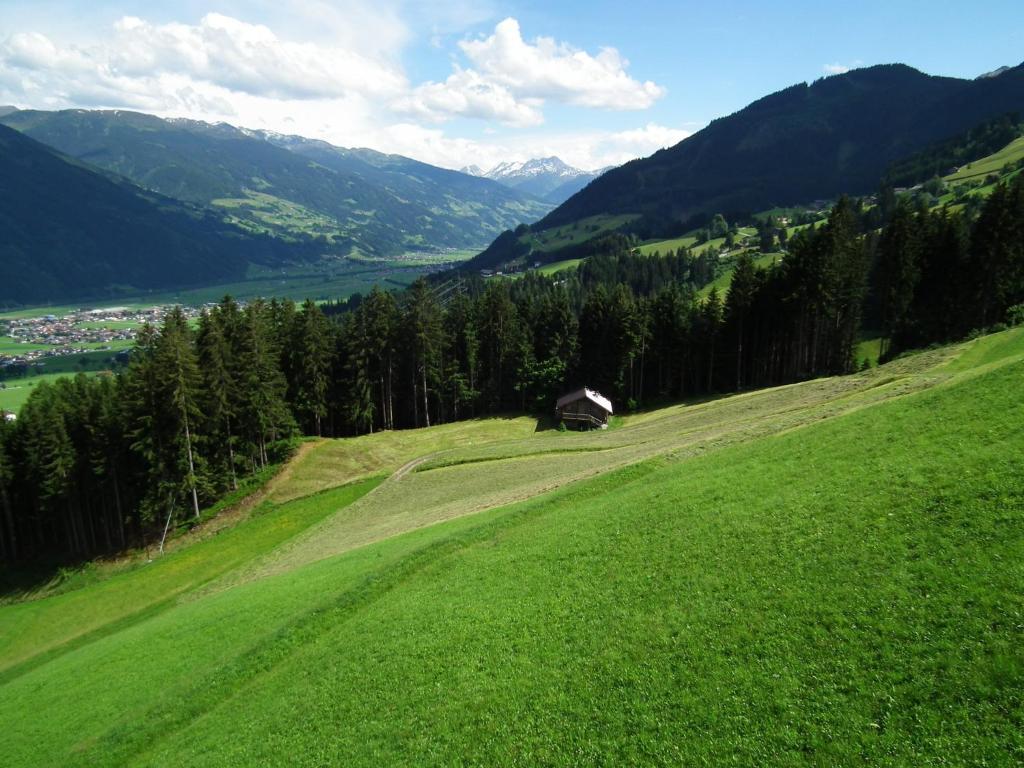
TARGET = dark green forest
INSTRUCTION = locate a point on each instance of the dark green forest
(94, 465)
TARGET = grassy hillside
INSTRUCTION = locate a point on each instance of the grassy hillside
(824, 573)
(995, 163)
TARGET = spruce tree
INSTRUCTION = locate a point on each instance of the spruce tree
(422, 330)
(899, 269)
(178, 369)
(219, 392)
(711, 316)
(310, 349)
(738, 300)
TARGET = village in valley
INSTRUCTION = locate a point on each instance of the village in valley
(65, 342)
(77, 332)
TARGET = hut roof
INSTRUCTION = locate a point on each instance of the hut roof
(589, 394)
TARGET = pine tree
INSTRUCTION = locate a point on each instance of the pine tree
(501, 341)
(738, 300)
(422, 323)
(461, 350)
(311, 348)
(219, 392)
(998, 252)
(8, 532)
(178, 369)
(712, 313)
(380, 324)
(899, 270)
(263, 412)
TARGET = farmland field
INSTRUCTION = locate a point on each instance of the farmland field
(812, 573)
(14, 392)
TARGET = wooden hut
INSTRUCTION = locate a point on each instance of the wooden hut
(583, 409)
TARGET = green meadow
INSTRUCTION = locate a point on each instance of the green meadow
(724, 280)
(994, 163)
(668, 246)
(827, 573)
(14, 392)
(558, 266)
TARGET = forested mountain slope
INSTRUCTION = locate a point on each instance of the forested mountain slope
(838, 135)
(353, 201)
(69, 231)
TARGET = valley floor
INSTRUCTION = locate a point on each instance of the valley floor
(824, 573)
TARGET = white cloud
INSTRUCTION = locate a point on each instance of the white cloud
(840, 69)
(220, 51)
(341, 83)
(467, 94)
(552, 70)
(511, 79)
(215, 69)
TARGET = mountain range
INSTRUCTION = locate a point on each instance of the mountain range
(119, 200)
(351, 202)
(548, 178)
(806, 142)
(70, 232)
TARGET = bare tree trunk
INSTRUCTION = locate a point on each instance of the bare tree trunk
(415, 403)
(191, 469)
(391, 395)
(117, 506)
(643, 353)
(170, 514)
(9, 520)
(739, 357)
(231, 456)
(426, 408)
(711, 364)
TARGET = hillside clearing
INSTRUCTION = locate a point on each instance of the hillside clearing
(994, 163)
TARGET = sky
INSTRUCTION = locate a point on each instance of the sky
(476, 82)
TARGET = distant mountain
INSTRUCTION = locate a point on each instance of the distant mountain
(994, 72)
(547, 178)
(807, 142)
(293, 189)
(71, 232)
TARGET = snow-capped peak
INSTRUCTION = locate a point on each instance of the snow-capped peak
(545, 166)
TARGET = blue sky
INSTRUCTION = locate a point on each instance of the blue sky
(470, 81)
